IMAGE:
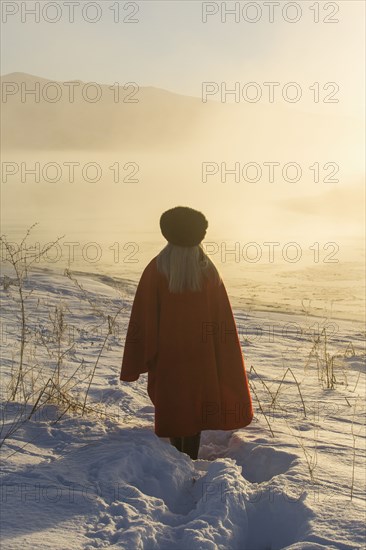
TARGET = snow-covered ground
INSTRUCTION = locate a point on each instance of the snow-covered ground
(294, 478)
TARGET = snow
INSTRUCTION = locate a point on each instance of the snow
(84, 482)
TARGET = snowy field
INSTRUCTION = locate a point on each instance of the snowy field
(294, 478)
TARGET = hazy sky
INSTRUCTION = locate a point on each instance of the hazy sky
(170, 47)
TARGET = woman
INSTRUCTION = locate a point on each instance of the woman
(183, 334)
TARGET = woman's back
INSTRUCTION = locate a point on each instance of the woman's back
(182, 332)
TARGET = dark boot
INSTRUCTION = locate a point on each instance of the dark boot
(191, 444)
(176, 442)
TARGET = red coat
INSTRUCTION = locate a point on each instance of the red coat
(188, 344)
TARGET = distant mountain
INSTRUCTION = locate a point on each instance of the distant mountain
(143, 117)
(163, 121)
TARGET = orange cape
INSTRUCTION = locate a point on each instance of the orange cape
(188, 344)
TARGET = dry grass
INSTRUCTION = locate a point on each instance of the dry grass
(62, 380)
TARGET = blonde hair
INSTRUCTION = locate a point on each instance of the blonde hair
(185, 267)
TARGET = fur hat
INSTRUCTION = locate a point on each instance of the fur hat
(183, 226)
